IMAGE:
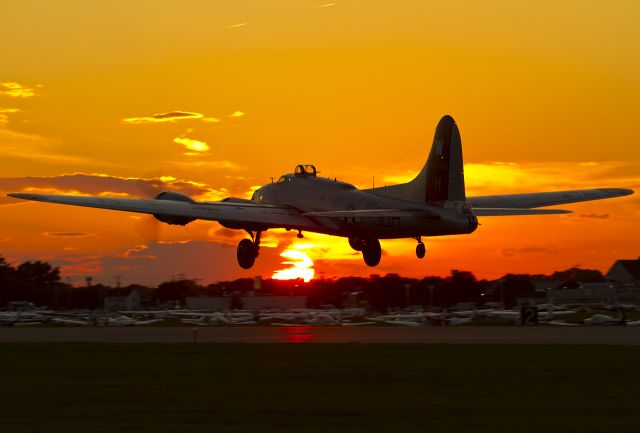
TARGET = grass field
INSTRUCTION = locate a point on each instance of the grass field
(79, 387)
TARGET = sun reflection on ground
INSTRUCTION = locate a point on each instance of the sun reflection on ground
(298, 334)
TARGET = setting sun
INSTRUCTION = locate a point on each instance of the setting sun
(301, 266)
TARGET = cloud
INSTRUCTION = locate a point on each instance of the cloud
(191, 144)
(106, 185)
(235, 26)
(326, 5)
(137, 252)
(210, 119)
(67, 234)
(594, 215)
(216, 165)
(237, 114)
(3, 114)
(172, 116)
(513, 252)
(15, 90)
(490, 178)
(34, 147)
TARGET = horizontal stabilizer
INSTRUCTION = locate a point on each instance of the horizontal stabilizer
(488, 211)
(374, 213)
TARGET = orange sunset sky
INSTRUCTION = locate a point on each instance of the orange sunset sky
(545, 94)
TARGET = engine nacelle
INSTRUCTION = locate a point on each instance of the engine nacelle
(173, 219)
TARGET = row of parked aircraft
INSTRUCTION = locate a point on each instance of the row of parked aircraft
(547, 314)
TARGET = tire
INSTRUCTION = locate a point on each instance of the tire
(356, 243)
(371, 252)
(420, 250)
(246, 254)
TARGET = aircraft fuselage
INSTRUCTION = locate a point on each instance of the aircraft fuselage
(316, 194)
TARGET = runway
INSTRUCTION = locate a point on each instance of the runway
(613, 335)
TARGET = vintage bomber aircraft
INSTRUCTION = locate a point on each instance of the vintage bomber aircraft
(432, 204)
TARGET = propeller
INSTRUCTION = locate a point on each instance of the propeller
(147, 226)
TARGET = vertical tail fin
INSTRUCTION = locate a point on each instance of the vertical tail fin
(442, 177)
(443, 174)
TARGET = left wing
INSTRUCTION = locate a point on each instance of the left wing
(237, 213)
(541, 199)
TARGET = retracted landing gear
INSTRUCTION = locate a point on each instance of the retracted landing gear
(248, 251)
(371, 252)
(420, 249)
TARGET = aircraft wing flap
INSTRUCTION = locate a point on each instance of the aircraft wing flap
(271, 216)
(516, 211)
(541, 199)
(374, 213)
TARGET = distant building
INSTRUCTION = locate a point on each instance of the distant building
(273, 302)
(212, 303)
(122, 299)
(601, 292)
(626, 272)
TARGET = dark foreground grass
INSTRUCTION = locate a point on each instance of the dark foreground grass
(159, 388)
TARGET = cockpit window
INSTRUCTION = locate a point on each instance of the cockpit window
(305, 170)
(282, 179)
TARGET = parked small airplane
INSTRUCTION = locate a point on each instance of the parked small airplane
(432, 204)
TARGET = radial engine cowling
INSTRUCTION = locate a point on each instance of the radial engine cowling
(173, 219)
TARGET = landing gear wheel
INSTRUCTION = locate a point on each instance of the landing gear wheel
(371, 252)
(420, 250)
(247, 253)
(356, 244)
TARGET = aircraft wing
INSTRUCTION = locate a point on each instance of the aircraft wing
(489, 211)
(237, 213)
(541, 199)
(374, 213)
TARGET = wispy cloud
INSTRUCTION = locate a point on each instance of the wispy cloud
(219, 164)
(106, 185)
(67, 234)
(516, 177)
(236, 114)
(599, 216)
(172, 116)
(137, 252)
(325, 5)
(4, 118)
(513, 252)
(16, 90)
(235, 26)
(195, 146)
(34, 147)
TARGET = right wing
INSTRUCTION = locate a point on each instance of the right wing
(541, 199)
(493, 211)
(237, 213)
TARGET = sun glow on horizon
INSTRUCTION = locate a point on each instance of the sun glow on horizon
(301, 266)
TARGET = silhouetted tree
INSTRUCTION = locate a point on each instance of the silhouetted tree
(39, 273)
(578, 275)
(176, 290)
(514, 288)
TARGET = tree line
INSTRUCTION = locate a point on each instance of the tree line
(39, 282)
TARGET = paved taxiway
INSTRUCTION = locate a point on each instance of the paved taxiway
(313, 334)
